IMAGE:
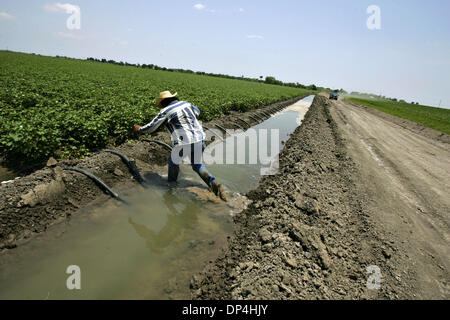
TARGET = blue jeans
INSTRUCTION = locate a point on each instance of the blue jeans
(195, 154)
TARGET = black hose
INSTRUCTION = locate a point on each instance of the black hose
(238, 126)
(258, 116)
(254, 118)
(223, 129)
(159, 142)
(246, 123)
(215, 133)
(131, 165)
(99, 182)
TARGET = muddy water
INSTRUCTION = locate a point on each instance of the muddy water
(148, 250)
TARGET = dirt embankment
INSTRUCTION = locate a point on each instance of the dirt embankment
(307, 234)
(31, 204)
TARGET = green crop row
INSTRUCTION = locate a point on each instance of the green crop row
(67, 107)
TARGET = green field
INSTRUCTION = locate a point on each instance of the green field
(436, 118)
(69, 107)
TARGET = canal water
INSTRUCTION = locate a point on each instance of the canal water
(148, 250)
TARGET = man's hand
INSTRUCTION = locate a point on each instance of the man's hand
(137, 128)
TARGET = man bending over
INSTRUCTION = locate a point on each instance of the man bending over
(188, 138)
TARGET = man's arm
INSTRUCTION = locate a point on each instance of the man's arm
(159, 120)
(196, 110)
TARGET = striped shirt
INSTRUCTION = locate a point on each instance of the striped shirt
(180, 118)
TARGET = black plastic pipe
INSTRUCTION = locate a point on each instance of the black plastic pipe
(215, 133)
(246, 123)
(254, 118)
(223, 129)
(131, 166)
(238, 126)
(258, 116)
(99, 182)
(159, 142)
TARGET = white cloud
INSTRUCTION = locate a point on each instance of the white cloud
(199, 6)
(62, 7)
(6, 16)
(241, 10)
(68, 35)
(255, 36)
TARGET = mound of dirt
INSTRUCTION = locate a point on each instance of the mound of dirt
(306, 234)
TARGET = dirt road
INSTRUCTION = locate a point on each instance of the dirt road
(408, 179)
(356, 193)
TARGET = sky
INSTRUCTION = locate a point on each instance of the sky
(323, 42)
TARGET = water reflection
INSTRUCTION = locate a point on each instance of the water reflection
(177, 221)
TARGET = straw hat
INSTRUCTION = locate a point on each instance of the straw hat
(164, 95)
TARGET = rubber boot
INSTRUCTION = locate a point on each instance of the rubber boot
(173, 173)
(219, 190)
(206, 177)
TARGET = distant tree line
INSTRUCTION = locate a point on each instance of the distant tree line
(268, 80)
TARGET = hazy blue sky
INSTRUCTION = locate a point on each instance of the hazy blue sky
(322, 42)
